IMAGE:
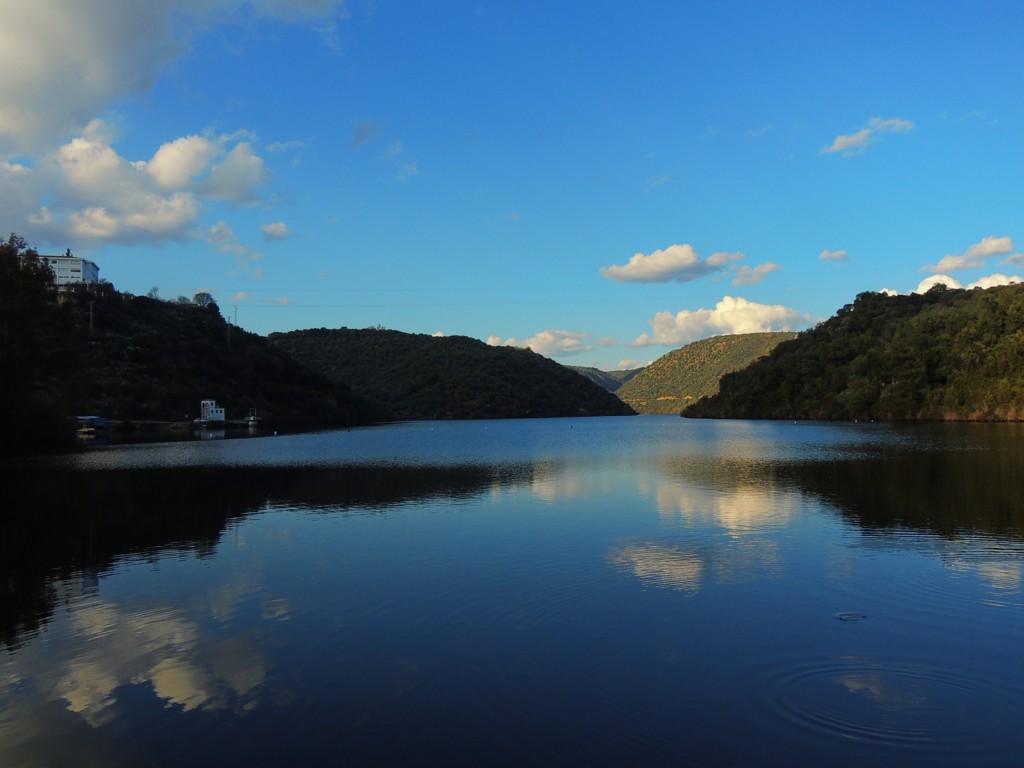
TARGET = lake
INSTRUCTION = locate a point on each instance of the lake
(608, 591)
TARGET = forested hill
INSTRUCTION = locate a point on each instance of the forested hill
(137, 358)
(944, 355)
(153, 359)
(610, 380)
(414, 376)
(685, 375)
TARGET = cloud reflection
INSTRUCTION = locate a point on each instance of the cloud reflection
(158, 647)
(661, 565)
(741, 510)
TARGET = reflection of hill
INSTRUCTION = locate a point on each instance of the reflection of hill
(933, 489)
(63, 526)
(944, 492)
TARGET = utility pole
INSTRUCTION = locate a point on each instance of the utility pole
(90, 318)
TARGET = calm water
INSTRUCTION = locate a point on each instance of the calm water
(631, 591)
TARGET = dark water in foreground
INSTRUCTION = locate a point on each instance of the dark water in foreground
(641, 591)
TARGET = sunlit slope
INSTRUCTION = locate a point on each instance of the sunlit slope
(945, 355)
(685, 375)
(415, 376)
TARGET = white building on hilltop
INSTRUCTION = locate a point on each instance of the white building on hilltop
(68, 269)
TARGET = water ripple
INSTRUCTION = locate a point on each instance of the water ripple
(893, 704)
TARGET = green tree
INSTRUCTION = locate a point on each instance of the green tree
(39, 350)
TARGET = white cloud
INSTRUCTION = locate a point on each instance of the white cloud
(989, 281)
(607, 341)
(551, 343)
(730, 315)
(937, 280)
(278, 230)
(77, 58)
(177, 162)
(828, 255)
(974, 256)
(628, 365)
(857, 142)
(236, 177)
(86, 193)
(677, 263)
(990, 246)
(753, 275)
(997, 279)
(929, 282)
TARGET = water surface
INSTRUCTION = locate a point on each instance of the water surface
(643, 591)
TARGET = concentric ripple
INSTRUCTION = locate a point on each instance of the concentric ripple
(893, 704)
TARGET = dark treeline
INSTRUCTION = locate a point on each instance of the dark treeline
(944, 355)
(415, 376)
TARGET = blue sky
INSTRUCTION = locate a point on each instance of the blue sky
(601, 181)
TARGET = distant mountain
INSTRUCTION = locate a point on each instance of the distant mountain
(685, 375)
(415, 376)
(610, 380)
(944, 355)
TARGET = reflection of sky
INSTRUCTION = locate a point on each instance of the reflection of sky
(97, 646)
(661, 565)
(740, 510)
(161, 647)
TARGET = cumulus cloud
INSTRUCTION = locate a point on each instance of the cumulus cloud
(87, 193)
(930, 282)
(177, 162)
(278, 230)
(997, 279)
(828, 255)
(857, 142)
(677, 263)
(551, 343)
(235, 178)
(76, 58)
(989, 281)
(730, 315)
(974, 257)
(753, 275)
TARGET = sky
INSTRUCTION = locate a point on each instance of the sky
(601, 181)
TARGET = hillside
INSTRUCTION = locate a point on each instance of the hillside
(135, 358)
(610, 380)
(414, 376)
(685, 375)
(152, 359)
(944, 355)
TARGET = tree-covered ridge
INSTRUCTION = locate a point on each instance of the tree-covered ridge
(685, 375)
(152, 359)
(415, 376)
(610, 380)
(944, 355)
(92, 350)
